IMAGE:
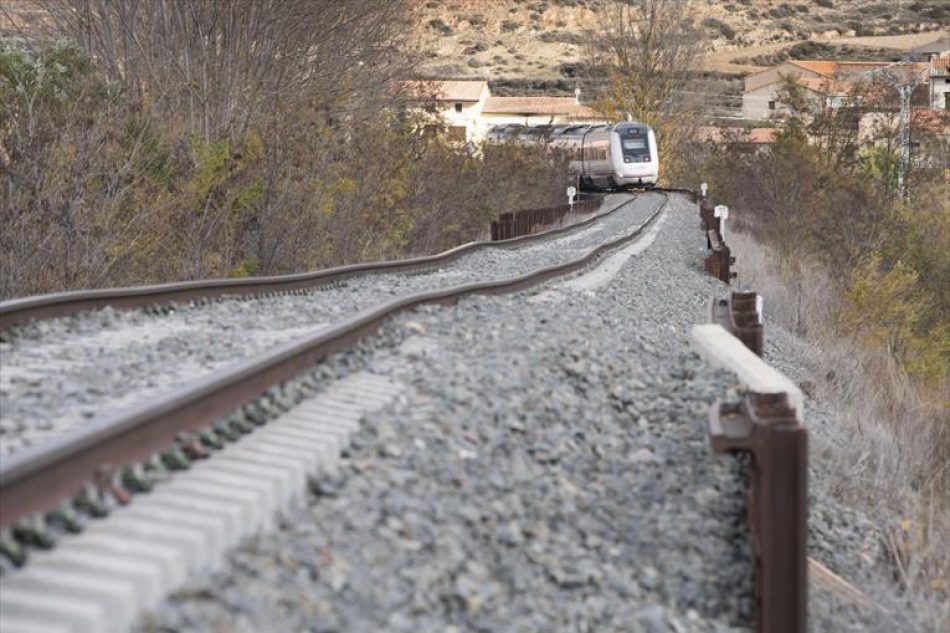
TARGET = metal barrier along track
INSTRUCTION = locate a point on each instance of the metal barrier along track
(38, 479)
(720, 259)
(528, 221)
(767, 423)
(17, 311)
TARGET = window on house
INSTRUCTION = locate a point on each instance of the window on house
(458, 107)
(771, 105)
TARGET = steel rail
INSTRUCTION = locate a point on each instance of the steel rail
(60, 304)
(38, 479)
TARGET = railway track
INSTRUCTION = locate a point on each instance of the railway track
(285, 417)
(60, 374)
(91, 457)
(19, 311)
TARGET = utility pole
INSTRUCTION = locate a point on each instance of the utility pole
(904, 78)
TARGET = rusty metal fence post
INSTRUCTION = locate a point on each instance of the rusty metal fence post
(706, 219)
(766, 426)
(740, 314)
(719, 262)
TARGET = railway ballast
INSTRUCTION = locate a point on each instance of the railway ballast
(528, 461)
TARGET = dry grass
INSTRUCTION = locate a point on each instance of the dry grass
(885, 451)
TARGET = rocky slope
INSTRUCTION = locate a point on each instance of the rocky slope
(542, 39)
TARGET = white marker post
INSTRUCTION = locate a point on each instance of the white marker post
(722, 212)
(571, 192)
(758, 308)
(702, 190)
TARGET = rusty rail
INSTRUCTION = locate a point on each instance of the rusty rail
(23, 310)
(37, 479)
(766, 424)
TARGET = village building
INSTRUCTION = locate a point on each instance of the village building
(821, 79)
(530, 111)
(935, 49)
(458, 103)
(940, 83)
(469, 110)
(744, 139)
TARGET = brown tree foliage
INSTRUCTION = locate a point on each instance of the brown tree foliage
(181, 140)
(217, 66)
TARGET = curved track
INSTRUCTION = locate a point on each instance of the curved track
(24, 310)
(38, 478)
(612, 362)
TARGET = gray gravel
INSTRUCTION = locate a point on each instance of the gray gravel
(59, 372)
(547, 470)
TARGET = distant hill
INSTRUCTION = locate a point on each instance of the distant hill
(536, 44)
(543, 40)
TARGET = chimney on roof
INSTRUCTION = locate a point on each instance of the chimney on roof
(577, 96)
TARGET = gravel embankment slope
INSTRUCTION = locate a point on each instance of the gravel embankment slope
(59, 372)
(842, 537)
(548, 469)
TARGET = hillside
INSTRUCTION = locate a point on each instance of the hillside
(543, 40)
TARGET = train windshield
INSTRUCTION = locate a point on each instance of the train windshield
(634, 144)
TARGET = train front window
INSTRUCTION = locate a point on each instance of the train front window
(635, 148)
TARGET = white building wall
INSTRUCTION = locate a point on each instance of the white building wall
(755, 103)
(940, 93)
(469, 117)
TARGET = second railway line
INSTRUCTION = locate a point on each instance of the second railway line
(59, 373)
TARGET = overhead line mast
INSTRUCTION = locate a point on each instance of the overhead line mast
(904, 83)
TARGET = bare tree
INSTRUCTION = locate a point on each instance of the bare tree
(647, 50)
(221, 63)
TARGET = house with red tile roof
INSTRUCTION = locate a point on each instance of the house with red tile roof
(939, 75)
(459, 103)
(469, 110)
(828, 80)
(530, 111)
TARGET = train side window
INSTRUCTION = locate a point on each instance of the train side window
(458, 107)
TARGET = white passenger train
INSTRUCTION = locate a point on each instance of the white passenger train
(614, 156)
